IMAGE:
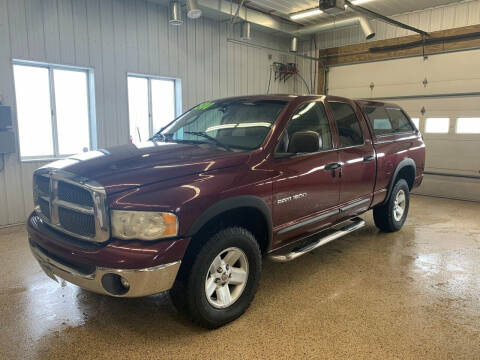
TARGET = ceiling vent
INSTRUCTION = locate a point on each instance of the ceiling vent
(332, 6)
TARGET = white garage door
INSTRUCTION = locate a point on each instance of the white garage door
(443, 93)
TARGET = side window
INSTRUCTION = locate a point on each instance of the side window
(349, 130)
(379, 120)
(399, 120)
(307, 118)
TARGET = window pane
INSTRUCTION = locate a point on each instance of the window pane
(71, 103)
(379, 120)
(437, 125)
(468, 126)
(138, 109)
(348, 125)
(416, 121)
(308, 117)
(32, 90)
(399, 120)
(237, 124)
(163, 103)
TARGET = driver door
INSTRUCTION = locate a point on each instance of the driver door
(306, 192)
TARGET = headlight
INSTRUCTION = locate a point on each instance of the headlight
(143, 225)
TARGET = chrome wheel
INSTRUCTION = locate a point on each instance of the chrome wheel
(399, 205)
(226, 278)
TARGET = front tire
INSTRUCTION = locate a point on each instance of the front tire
(222, 280)
(391, 216)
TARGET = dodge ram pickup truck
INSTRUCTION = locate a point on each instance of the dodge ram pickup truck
(196, 208)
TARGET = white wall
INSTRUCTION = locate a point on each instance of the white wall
(459, 14)
(115, 37)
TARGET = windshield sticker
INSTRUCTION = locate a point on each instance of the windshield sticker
(204, 106)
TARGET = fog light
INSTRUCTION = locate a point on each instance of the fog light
(115, 284)
(124, 282)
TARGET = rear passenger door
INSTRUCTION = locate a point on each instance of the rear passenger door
(357, 158)
(394, 136)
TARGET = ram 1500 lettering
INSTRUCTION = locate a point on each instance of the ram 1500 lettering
(195, 208)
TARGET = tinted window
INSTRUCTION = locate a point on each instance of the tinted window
(399, 120)
(379, 120)
(387, 121)
(348, 126)
(241, 124)
(308, 117)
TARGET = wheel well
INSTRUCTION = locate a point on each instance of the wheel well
(408, 174)
(249, 218)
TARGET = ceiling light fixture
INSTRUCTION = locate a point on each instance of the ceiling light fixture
(175, 13)
(306, 13)
(193, 11)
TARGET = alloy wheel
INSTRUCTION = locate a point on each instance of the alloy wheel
(226, 278)
(399, 205)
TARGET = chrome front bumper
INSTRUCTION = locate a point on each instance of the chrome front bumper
(142, 282)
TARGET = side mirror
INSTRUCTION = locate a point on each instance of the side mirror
(305, 142)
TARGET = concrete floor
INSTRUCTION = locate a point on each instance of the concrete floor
(410, 295)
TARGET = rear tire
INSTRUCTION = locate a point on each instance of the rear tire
(222, 280)
(391, 216)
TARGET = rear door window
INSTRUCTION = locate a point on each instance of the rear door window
(348, 126)
(387, 121)
(379, 120)
(399, 120)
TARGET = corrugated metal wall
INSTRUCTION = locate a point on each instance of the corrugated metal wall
(462, 13)
(115, 37)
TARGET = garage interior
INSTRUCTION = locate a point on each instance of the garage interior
(95, 66)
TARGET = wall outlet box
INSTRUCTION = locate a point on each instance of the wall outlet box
(5, 117)
(7, 142)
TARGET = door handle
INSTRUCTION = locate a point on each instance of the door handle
(332, 166)
(369, 158)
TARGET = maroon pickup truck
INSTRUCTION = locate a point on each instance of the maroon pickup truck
(195, 208)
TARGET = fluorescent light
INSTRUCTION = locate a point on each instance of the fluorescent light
(305, 13)
(359, 2)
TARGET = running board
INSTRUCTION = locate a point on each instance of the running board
(356, 223)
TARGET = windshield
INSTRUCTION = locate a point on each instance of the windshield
(241, 124)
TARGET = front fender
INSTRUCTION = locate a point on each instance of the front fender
(232, 203)
(198, 198)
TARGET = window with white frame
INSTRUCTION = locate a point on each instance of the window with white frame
(416, 121)
(153, 102)
(54, 105)
(470, 125)
(437, 125)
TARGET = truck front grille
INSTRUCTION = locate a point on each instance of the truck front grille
(43, 183)
(74, 194)
(73, 205)
(44, 207)
(76, 222)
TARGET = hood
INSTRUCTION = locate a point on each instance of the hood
(127, 166)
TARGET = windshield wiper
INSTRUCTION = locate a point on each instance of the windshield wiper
(206, 136)
(158, 136)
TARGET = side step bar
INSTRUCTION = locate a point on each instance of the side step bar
(356, 223)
